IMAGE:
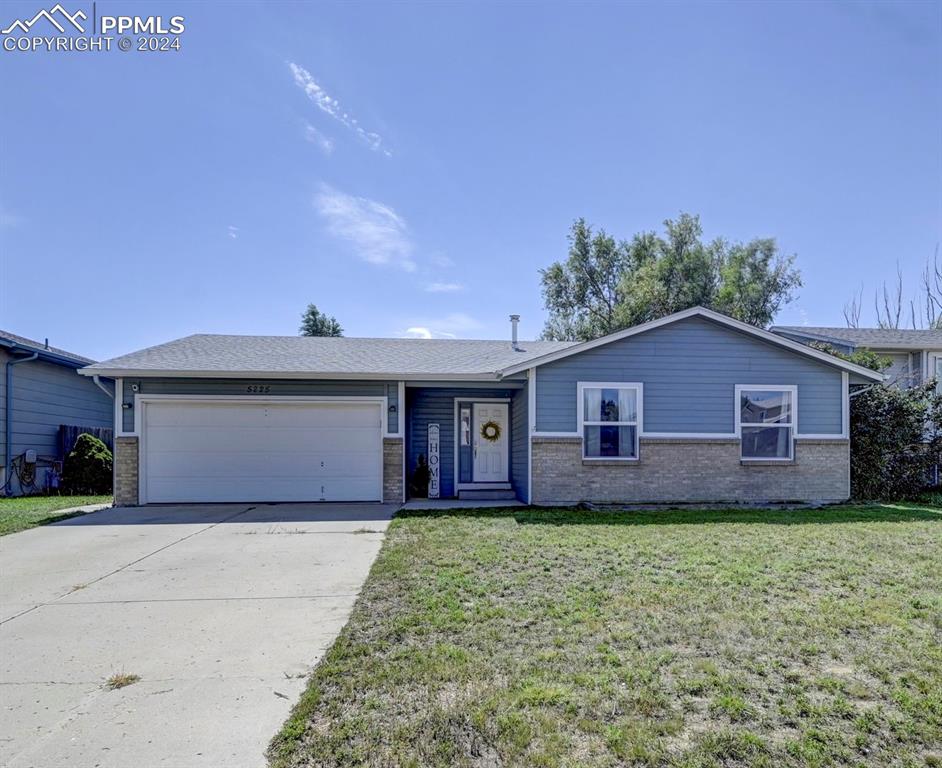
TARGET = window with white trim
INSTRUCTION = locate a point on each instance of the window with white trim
(765, 420)
(609, 417)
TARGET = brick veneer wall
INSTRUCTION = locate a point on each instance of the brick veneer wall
(392, 470)
(682, 470)
(125, 471)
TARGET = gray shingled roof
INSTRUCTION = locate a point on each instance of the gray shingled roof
(210, 353)
(8, 339)
(885, 338)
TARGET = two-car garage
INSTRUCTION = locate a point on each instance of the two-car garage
(231, 450)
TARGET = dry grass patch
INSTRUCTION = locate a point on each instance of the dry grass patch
(121, 680)
(683, 638)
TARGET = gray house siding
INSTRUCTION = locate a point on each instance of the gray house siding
(3, 414)
(276, 387)
(899, 371)
(46, 395)
(689, 370)
(436, 405)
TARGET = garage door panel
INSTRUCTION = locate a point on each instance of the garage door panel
(215, 451)
(205, 439)
(246, 414)
(261, 465)
(164, 491)
(325, 415)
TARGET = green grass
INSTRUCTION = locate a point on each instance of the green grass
(679, 638)
(22, 512)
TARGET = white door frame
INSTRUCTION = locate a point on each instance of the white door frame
(468, 486)
(141, 401)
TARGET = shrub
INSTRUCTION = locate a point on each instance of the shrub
(418, 488)
(87, 469)
(895, 441)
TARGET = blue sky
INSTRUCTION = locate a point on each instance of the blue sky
(413, 166)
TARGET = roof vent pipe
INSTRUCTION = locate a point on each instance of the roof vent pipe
(514, 319)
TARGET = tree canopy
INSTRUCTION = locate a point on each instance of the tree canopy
(605, 284)
(316, 323)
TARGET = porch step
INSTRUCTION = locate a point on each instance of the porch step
(487, 494)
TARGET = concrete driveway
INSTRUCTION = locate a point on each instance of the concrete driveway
(221, 609)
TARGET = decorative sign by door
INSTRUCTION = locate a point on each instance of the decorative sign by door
(434, 462)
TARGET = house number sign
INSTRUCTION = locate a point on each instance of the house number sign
(434, 462)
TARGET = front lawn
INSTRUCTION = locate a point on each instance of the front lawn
(22, 512)
(528, 637)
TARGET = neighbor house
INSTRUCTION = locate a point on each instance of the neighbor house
(44, 405)
(692, 407)
(915, 356)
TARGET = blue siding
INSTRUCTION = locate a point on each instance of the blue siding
(436, 405)
(46, 395)
(3, 411)
(284, 387)
(519, 443)
(689, 370)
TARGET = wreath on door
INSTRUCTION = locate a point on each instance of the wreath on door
(490, 431)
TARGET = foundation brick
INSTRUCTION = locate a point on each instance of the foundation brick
(684, 470)
(125, 471)
(393, 488)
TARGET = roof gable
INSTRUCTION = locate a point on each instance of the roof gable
(712, 316)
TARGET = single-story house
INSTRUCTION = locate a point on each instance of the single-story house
(43, 404)
(692, 407)
(916, 355)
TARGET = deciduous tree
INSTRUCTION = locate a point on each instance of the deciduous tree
(606, 285)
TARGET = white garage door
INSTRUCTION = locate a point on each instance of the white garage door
(218, 451)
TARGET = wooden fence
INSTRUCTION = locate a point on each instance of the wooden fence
(68, 434)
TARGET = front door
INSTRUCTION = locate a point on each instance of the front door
(491, 441)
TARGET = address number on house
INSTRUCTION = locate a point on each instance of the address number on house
(258, 389)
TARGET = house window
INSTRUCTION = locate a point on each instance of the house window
(936, 372)
(765, 421)
(610, 418)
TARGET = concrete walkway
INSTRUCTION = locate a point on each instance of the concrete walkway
(445, 504)
(221, 610)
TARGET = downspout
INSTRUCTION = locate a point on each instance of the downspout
(117, 427)
(8, 437)
(97, 379)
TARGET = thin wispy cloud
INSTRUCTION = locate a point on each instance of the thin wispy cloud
(320, 140)
(444, 287)
(377, 233)
(441, 260)
(326, 103)
(233, 232)
(448, 327)
(8, 219)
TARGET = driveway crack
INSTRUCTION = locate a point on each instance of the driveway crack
(133, 562)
